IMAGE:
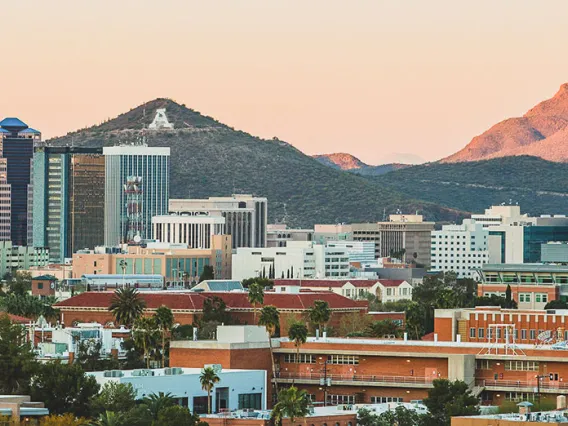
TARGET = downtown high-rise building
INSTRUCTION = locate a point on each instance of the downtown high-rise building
(68, 200)
(136, 189)
(18, 142)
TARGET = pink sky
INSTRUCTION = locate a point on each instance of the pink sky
(373, 78)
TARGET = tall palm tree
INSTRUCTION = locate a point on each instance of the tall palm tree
(126, 306)
(157, 402)
(270, 319)
(208, 378)
(145, 333)
(164, 319)
(319, 314)
(255, 296)
(292, 403)
(298, 332)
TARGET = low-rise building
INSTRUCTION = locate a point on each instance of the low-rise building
(194, 231)
(175, 264)
(14, 258)
(532, 285)
(236, 389)
(21, 407)
(278, 235)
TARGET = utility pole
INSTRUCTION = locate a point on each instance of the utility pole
(539, 377)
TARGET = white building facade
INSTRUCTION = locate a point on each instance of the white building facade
(195, 231)
(297, 260)
(245, 216)
(460, 248)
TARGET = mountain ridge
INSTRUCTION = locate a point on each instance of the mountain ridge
(350, 163)
(541, 132)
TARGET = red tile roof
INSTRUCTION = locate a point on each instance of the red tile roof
(17, 318)
(391, 283)
(233, 300)
(324, 283)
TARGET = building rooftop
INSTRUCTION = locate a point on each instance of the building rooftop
(523, 267)
(188, 300)
(560, 416)
(13, 124)
(160, 372)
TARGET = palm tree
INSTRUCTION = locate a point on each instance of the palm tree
(298, 332)
(109, 418)
(270, 318)
(145, 334)
(126, 306)
(319, 314)
(255, 296)
(208, 378)
(157, 402)
(164, 319)
(292, 403)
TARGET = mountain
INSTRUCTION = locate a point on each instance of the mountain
(541, 132)
(352, 164)
(209, 158)
(539, 186)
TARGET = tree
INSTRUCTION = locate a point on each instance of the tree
(415, 320)
(30, 306)
(320, 314)
(401, 416)
(164, 319)
(298, 332)
(182, 332)
(215, 309)
(67, 419)
(354, 324)
(177, 415)
(208, 378)
(145, 334)
(255, 297)
(109, 418)
(207, 274)
(20, 283)
(556, 304)
(127, 306)
(64, 388)
(384, 328)
(292, 403)
(508, 298)
(116, 397)
(155, 403)
(270, 319)
(140, 415)
(447, 399)
(263, 282)
(88, 356)
(17, 360)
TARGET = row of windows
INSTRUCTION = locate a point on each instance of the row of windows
(487, 364)
(520, 396)
(303, 358)
(384, 399)
(340, 399)
(500, 334)
(343, 359)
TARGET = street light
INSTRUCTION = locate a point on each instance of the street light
(539, 377)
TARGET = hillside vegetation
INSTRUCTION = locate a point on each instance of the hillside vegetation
(212, 159)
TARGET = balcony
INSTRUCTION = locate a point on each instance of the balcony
(357, 380)
(546, 386)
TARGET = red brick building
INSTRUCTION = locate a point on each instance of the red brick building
(186, 306)
(44, 285)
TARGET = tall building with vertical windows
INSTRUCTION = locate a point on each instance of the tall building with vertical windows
(5, 205)
(136, 189)
(245, 216)
(18, 142)
(68, 199)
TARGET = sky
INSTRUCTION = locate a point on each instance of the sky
(383, 80)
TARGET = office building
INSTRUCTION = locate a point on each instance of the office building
(277, 235)
(299, 259)
(245, 216)
(175, 264)
(554, 252)
(5, 203)
(460, 248)
(338, 232)
(358, 251)
(195, 231)
(136, 189)
(68, 200)
(18, 142)
(14, 258)
(404, 236)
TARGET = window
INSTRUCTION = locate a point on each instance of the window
(523, 334)
(524, 297)
(480, 333)
(472, 333)
(340, 399)
(343, 359)
(520, 396)
(483, 364)
(250, 400)
(384, 399)
(39, 286)
(533, 334)
(521, 365)
(303, 358)
(541, 297)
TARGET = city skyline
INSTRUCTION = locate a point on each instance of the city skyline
(414, 79)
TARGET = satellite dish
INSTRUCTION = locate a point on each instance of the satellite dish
(137, 239)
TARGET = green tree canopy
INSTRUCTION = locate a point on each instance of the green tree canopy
(449, 399)
(64, 388)
(270, 319)
(320, 314)
(384, 328)
(17, 360)
(177, 415)
(207, 274)
(298, 333)
(292, 403)
(164, 319)
(556, 304)
(263, 282)
(115, 397)
(127, 306)
(208, 379)
(155, 403)
(145, 335)
(255, 297)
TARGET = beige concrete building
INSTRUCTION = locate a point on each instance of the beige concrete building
(175, 264)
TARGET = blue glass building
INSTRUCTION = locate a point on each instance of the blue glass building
(151, 167)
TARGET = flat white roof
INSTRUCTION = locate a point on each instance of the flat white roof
(135, 150)
(161, 372)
